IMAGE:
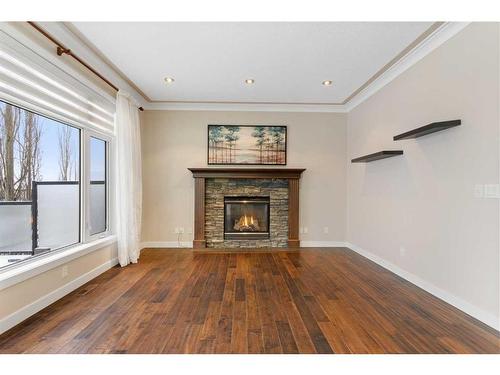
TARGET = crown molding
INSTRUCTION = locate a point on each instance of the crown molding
(242, 107)
(88, 44)
(432, 41)
(446, 31)
(66, 36)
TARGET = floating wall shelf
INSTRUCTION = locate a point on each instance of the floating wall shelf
(377, 156)
(428, 129)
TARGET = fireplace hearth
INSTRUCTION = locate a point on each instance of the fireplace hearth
(246, 218)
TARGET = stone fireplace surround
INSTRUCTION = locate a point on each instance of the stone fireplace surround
(215, 191)
(212, 184)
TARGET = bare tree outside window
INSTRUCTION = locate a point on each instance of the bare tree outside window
(66, 158)
(9, 129)
(29, 154)
(20, 158)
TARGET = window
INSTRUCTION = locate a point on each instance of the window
(97, 189)
(39, 184)
(56, 136)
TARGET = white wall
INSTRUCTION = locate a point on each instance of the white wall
(418, 213)
(173, 141)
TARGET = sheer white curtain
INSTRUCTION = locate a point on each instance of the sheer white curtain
(128, 179)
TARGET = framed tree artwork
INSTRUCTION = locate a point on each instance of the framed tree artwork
(247, 145)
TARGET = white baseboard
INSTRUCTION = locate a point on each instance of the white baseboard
(453, 300)
(167, 244)
(189, 244)
(322, 244)
(18, 316)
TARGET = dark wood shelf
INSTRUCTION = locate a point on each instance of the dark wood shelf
(377, 156)
(428, 129)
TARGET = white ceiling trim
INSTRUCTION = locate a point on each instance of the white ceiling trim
(251, 107)
(291, 59)
(429, 44)
(68, 38)
(434, 40)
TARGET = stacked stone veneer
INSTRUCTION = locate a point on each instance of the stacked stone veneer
(275, 189)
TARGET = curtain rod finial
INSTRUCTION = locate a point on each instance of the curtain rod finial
(61, 50)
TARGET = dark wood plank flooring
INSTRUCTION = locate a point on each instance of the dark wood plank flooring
(308, 301)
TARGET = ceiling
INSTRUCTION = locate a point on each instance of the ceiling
(288, 61)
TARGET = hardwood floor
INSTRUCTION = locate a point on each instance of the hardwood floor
(308, 301)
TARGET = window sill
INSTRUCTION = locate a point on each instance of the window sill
(29, 269)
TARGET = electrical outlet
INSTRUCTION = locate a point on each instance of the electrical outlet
(402, 251)
(306, 230)
(64, 271)
(492, 191)
(325, 230)
(479, 190)
(487, 191)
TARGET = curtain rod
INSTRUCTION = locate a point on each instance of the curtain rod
(61, 49)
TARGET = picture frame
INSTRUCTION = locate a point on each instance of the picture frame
(247, 144)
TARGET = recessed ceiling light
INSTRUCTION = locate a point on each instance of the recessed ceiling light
(169, 79)
(327, 83)
(250, 81)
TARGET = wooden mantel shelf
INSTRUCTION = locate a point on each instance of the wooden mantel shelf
(201, 174)
(287, 173)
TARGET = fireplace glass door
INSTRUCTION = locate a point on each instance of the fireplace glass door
(246, 218)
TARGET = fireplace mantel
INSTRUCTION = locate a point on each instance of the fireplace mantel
(290, 174)
(285, 173)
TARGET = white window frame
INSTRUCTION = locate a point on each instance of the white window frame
(28, 267)
(86, 192)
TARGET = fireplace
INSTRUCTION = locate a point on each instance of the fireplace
(280, 186)
(246, 218)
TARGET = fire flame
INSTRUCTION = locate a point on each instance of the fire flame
(245, 220)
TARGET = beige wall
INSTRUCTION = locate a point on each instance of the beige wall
(424, 201)
(19, 296)
(172, 141)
